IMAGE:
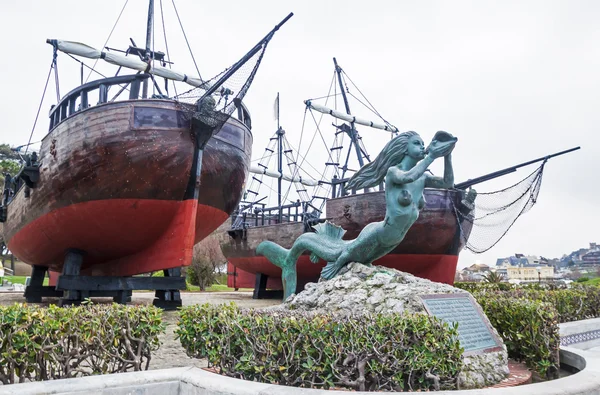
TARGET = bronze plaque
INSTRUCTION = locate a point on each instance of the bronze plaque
(474, 334)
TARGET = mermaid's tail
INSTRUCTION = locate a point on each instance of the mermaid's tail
(275, 253)
(278, 255)
(331, 269)
(326, 243)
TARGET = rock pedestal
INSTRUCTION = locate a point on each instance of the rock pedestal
(376, 289)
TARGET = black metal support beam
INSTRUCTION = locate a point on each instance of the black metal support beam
(36, 290)
(72, 268)
(109, 283)
(170, 297)
(260, 289)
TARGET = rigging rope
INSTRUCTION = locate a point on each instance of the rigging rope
(56, 75)
(110, 34)
(291, 162)
(123, 87)
(186, 40)
(321, 134)
(485, 218)
(162, 17)
(40, 106)
(367, 100)
(324, 97)
(154, 85)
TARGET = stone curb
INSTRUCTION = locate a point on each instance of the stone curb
(194, 381)
(577, 327)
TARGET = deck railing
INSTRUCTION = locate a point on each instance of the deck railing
(257, 214)
(68, 105)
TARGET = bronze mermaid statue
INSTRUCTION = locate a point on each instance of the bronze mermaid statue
(403, 164)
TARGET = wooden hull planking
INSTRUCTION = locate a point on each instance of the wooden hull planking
(113, 182)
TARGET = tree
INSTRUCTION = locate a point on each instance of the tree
(574, 275)
(493, 277)
(9, 161)
(207, 261)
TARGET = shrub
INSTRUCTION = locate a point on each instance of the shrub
(572, 304)
(384, 352)
(474, 287)
(582, 279)
(529, 329)
(207, 261)
(200, 273)
(52, 343)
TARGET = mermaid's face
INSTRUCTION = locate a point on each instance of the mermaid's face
(416, 148)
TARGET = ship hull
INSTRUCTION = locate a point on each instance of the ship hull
(429, 250)
(115, 183)
(439, 268)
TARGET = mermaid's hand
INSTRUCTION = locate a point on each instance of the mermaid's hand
(441, 145)
(438, 149)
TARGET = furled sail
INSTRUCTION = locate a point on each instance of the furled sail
(131, 62)
(349, 118)
(275, 174)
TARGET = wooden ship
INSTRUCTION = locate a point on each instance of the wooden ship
(430, 249)
(128, 185)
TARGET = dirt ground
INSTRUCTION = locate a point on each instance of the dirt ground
(170, 354)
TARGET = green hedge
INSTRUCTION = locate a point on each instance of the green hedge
(367, 353)
(529, 329)
(579, 302)
(52, 343)
(527, 317)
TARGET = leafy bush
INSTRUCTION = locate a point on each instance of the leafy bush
(474, 287)
(206, 263)
(529, 329)
(582, 279)
(572, 304)
(53, 343)
(527, 317)
(384, 352)
(200, 273)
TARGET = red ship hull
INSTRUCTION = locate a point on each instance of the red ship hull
(439, 268)
(114, 185)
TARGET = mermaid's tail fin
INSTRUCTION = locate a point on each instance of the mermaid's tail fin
(329, 229)
(275, 253)
(330, 270)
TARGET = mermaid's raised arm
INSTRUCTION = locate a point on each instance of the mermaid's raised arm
(398, 176)
(438, 182)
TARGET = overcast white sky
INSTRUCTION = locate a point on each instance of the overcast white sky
(514, 80)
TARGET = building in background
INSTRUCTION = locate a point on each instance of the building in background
(592, 256)
(530, 273)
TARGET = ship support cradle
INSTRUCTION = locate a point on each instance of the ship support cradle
(73, 288)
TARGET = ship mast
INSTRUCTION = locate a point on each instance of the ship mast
(280, 133)
(149, 29)
(352, 132)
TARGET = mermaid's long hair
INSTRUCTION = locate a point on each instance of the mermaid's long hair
(373, 173)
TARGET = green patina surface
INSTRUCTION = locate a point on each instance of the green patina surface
(402, 165)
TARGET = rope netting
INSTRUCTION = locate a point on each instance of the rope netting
(489, 216)
(215, 100)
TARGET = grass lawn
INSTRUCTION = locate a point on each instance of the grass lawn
(215, 288)
(20, 279)
(592, 281)
(212, 288)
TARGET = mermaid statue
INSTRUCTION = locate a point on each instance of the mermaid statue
(403, 164)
